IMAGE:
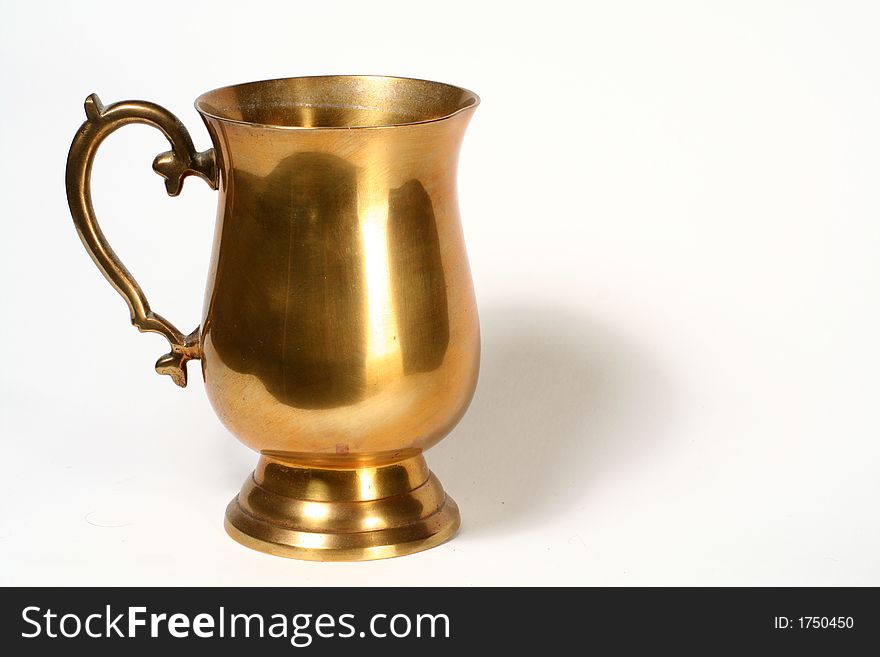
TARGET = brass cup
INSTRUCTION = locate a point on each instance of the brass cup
(339, 335)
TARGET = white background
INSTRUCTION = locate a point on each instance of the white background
(672, 212)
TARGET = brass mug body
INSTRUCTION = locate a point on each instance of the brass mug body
(339, 333)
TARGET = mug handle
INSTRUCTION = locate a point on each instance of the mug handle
(174, 165)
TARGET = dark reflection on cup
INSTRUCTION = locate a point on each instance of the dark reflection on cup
(305, 340)
(418, 282)
(408, 506)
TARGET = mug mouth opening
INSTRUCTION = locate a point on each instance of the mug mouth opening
(336, 102)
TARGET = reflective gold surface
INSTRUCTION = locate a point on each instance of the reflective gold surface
(339, 335)
(174, 166)
(342, 515)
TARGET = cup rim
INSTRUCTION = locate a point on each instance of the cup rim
(472, 100)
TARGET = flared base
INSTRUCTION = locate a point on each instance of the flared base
(352, 514)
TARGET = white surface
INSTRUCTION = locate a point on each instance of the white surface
(673, 219)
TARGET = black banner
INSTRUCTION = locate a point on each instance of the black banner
(276, 621)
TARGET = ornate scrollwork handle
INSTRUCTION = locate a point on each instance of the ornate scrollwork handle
(174, 165)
